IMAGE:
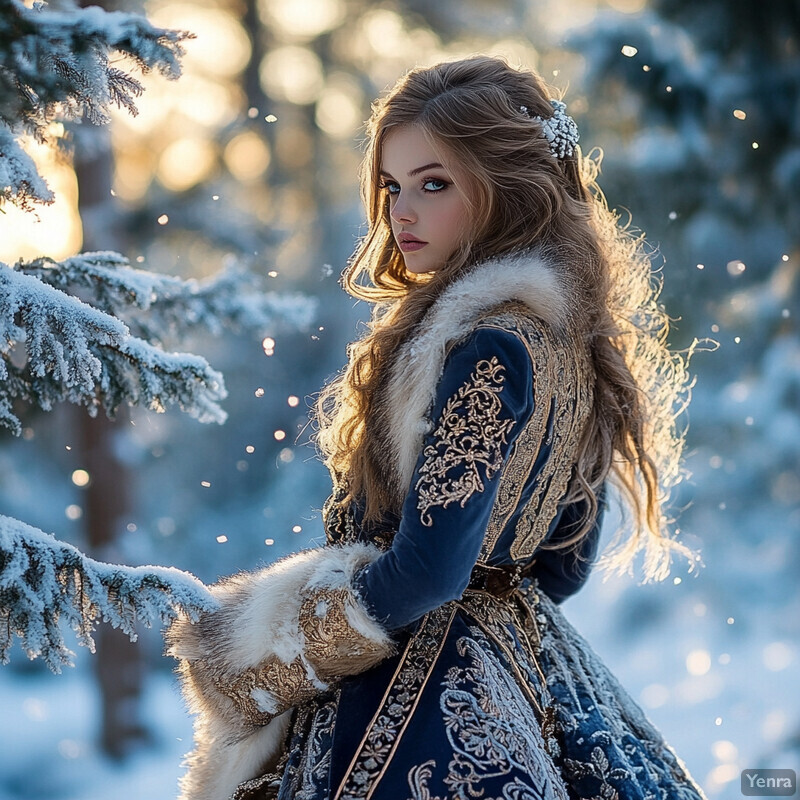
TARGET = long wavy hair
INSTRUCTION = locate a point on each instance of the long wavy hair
(520, 197)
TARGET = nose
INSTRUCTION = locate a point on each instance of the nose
(401, 210)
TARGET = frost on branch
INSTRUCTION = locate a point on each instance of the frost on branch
(55, 64)
(44, 582)
(154, 305)
(54, 347)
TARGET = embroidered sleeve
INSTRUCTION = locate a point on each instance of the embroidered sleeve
(332, 649)
(467, 447)
(279, 637)
(484, 398)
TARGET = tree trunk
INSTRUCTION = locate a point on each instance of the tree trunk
(118, 662)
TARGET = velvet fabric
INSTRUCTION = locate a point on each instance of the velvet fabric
(437, 560)
(486, 697)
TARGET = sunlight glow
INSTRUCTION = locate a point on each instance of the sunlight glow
(724, 750)
(132, 176)
(385, 32)
(627, 6)
(777, 656)
(80, 477)
(698, 662)
(724, 773)
(775, 725)
(53, 230)
(517, 51)
(293, 74)
(302, 19)
(654, 695)
(205, 102)
(221, 47)
(186, 162)
(247, 156)
(338, 110)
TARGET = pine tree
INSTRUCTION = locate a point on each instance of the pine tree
(90, 329)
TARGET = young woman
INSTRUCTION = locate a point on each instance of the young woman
(515, 363)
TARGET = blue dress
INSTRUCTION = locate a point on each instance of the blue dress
(491, 693)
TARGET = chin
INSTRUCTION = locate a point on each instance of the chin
(418, 268)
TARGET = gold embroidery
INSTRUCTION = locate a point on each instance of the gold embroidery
(394, 712)
(562, 402)
(493, 731)
(279, 684)
(523, 457)
(337, 518)
(333, 648)
(510, 624)
(573, 402)
(470, 434)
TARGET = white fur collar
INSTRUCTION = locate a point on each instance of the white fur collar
(527, 277)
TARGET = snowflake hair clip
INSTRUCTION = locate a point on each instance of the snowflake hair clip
(560, 130)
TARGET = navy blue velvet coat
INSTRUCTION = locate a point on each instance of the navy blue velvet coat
(490, 695)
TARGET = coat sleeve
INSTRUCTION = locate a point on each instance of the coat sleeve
(278, 637)
(283, 634)
(483, 401)
(561, 573)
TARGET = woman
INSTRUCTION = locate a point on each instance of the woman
(515, 362)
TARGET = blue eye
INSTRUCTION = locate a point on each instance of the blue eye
(430, 186)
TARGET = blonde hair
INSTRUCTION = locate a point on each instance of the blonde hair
(520, 196)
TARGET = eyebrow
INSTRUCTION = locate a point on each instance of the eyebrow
(417, 170)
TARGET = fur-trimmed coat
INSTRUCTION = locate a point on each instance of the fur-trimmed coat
(320, 675)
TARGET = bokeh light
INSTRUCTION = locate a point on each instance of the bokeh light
(302, 19)
(186, 162)
(292, 73)
(247, 156)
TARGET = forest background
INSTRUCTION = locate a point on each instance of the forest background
(251, 158)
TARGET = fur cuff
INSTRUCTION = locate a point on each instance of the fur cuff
(279, 637)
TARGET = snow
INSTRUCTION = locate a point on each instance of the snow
(83, 355)
(45, 583)
(50, 752)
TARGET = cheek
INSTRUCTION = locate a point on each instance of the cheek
(456, 221)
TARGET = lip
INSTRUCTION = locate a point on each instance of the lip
(409, 243)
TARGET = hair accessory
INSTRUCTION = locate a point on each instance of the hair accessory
(560, 130)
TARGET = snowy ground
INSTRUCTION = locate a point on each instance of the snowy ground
(47, 749)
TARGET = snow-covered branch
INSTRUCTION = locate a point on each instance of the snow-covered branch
(44, 582)
(69, 350)
(55, 64)
(232, 299)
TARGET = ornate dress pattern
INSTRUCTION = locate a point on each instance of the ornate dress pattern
(432, 659)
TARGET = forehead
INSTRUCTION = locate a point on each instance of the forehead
(405, 148)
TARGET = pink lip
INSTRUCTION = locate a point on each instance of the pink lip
(410, 246)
